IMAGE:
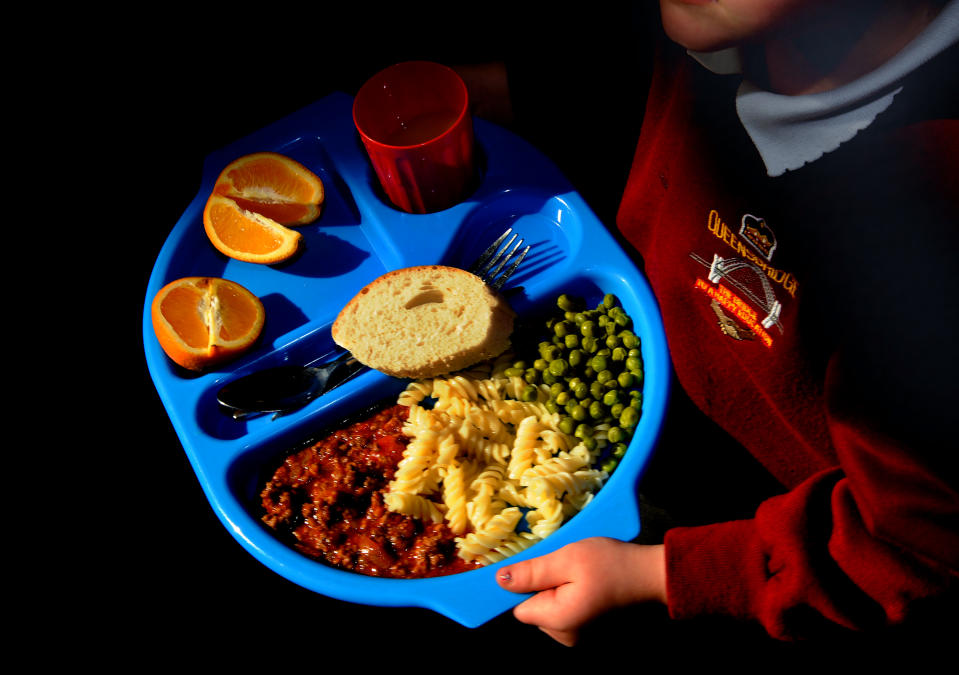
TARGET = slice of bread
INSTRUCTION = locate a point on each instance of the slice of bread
(424, 322)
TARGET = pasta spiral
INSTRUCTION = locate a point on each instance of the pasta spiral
(413, 505)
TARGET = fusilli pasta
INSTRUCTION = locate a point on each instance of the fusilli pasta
(488, 464)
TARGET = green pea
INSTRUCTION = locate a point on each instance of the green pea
(617, 410)
(623, 320)
(637, 402)
(597, 410)
(629, 418)
(598, 363)
(625, 379)
(531, 376)
(549, 352)
(562, 398)
(578, 413)
(551, 406)
(611, 397)
(633, 363)
(610, 301)
(558, 367)
(589, 443)
(619, 450)
(571, 341)
(619, 355)
(615, 434)
(630, 340)
(596, 389)
(576, 357)
(581, 391)
(583, 431)
(589, 345)
(609, 465)
(514, 372)
(589, 373)
(588, 328)
(565, 302)
(562, 328)
(579, 318)
(567, 425)
(549, 378)
(604, 375)
(612, 341)
(529, 393)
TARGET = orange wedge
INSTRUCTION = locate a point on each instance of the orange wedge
(274, 186)
(204, 321)
(247, 235)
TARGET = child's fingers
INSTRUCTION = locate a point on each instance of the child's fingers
(552, 613)
(535, 574)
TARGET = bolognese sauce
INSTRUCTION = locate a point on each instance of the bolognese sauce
(327, 500)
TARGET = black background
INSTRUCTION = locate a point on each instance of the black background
(154, 577)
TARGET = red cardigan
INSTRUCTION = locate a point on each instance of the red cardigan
(802, 315)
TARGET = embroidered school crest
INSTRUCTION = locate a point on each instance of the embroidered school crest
(741, 285)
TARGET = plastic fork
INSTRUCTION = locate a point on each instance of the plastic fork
(284, 389)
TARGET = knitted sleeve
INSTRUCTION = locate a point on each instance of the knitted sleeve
(859, 545)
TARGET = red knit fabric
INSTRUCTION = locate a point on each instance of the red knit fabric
(867, 526)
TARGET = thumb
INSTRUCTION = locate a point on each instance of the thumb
(535, 574)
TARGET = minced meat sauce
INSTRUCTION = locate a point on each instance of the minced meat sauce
(328, 499)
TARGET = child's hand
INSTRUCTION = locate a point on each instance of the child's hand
(582, 580)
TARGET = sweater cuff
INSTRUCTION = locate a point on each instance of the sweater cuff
(715, 569)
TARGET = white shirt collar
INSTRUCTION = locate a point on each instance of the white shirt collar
(790, 131)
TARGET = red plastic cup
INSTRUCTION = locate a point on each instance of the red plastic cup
(414, 120)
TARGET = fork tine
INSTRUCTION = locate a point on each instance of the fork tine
(492, 275)
(496, 285)
(485, 271)
(499, 254)
(475, 267)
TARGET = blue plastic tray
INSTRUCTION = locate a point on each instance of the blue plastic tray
(358, 238)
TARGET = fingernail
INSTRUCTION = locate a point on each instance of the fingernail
(505, 576)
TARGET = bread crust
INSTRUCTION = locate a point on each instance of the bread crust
(424, 321)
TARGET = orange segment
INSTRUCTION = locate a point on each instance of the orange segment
(246, 235)
(284, 213)
(202, 321)
(273, 185)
